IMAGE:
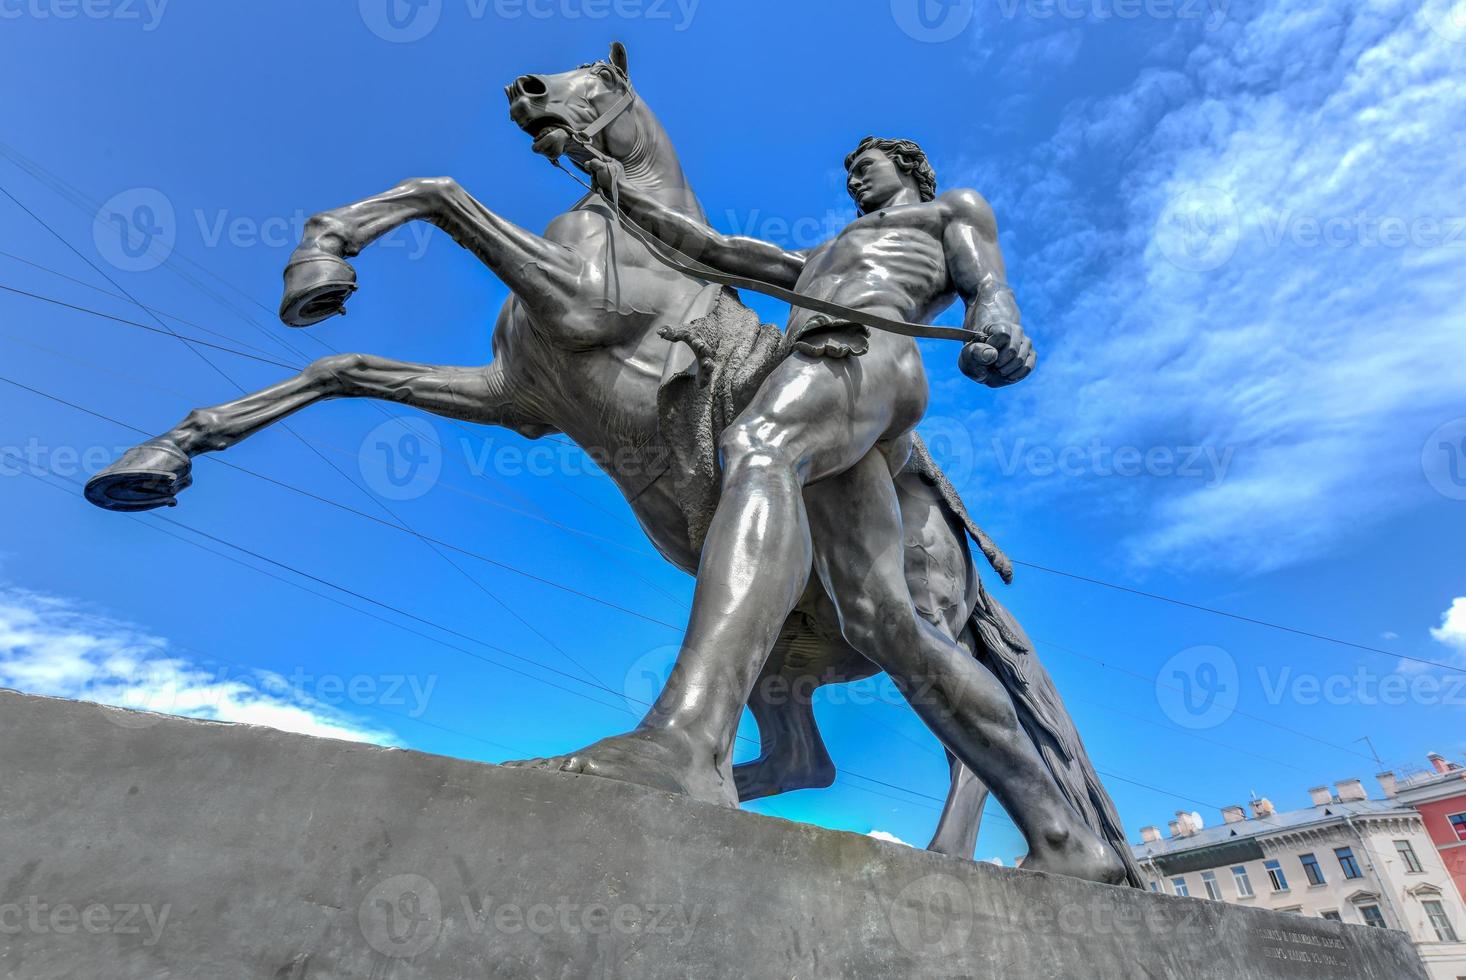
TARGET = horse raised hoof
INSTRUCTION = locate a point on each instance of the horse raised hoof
(149, 475)
(317, 285)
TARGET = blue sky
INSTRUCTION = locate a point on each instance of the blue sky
(1236, 231)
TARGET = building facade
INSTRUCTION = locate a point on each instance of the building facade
(1347, 858)
(1439, 795)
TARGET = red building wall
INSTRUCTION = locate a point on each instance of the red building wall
(1447, 841)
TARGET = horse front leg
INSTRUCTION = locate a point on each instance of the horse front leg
(153, 473)
(318, 280)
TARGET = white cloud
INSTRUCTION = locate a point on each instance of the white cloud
(51, 646)
(1452, 630)
(1273, 269)
(886, 836)
(1046, 53)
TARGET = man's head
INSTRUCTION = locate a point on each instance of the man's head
(880, 169)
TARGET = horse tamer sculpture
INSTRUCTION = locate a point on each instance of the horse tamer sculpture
(780, 467)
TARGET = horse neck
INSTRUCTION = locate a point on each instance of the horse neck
(640, 144)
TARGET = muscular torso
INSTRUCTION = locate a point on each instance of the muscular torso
(891, 262)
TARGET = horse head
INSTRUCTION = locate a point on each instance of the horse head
(595, 106)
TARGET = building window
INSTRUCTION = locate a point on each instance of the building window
(1276, 876)
(1347, 862)
(1331, 915)
(1155, 886)
(1213, 890)
(1372, 916)
(1244, 884)
(1443, 928)
(1407, 854)
(1458, 824)
(1179, 885)
(1312, 870)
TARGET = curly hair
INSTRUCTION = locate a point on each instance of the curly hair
(908, 158)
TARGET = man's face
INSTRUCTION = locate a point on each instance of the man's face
(874, 180)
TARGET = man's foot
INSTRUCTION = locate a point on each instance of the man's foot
(1078, 855)
(661, 758)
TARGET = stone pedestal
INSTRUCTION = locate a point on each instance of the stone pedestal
(137, 846)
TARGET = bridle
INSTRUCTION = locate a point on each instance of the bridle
(679, 261)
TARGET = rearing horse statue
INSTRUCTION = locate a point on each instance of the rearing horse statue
(602, 342)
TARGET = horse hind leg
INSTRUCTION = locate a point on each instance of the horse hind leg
(153, 473)
(939, 574)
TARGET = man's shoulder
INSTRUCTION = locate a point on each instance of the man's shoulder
(968, 206)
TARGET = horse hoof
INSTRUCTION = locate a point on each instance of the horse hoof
(317, 285)
(147, 476)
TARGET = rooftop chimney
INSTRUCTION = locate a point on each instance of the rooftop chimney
(1350, 791)
(1234, 814)
(1387, 783)
(1321, 796)
(1263, 808)
(1149, 835)
(1437, 760)
(1175, 828)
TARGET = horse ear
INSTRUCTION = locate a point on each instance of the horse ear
(618, 57)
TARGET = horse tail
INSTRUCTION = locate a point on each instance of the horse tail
(1007, 651)
(1002, 645)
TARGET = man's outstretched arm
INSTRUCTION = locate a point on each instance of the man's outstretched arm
(975, 264)
(732, 254)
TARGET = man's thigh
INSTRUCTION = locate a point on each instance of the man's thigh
(827, 413)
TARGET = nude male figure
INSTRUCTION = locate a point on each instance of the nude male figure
(807, 483)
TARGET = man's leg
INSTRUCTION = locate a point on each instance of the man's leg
(812, 417)
(859, 554)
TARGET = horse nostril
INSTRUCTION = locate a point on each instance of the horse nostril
(530, 85)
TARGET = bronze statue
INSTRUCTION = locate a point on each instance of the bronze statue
(781, 468)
